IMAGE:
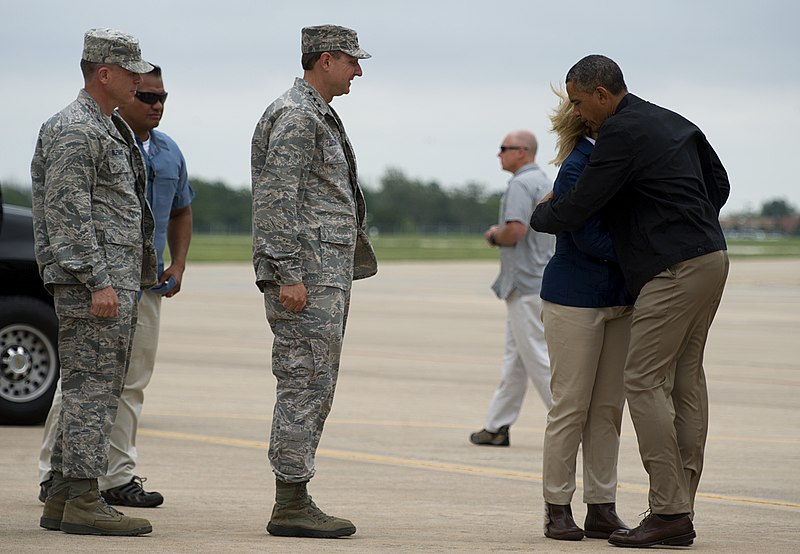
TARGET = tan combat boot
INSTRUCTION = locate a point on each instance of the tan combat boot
(86, 513)
(57, 495)
(296, 515)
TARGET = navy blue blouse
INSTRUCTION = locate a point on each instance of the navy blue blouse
(583, 272)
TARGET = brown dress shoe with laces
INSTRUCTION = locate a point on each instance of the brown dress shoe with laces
(602, 520)
(654, 530)
(559, 524)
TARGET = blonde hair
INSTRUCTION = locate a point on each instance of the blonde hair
(568, 128)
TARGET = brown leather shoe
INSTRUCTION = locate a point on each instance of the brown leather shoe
(602, 520)
(558, 523)
(654, 530)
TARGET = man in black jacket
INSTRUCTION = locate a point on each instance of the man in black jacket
(660, 187)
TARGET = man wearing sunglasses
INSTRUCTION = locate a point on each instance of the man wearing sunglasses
(524, 253)
(309, 244)
(169, 196)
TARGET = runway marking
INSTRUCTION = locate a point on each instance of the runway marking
(443, 466)
(424, 425)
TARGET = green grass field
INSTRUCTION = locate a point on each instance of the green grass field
(237, 248)
(781, 248)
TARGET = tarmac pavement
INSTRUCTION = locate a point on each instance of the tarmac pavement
(421, 360)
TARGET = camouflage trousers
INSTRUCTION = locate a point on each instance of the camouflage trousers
(305, 361)
(94, 354)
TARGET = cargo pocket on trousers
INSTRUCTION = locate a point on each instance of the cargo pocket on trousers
(299, 363)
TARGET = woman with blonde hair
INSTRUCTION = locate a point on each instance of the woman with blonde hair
(586, 312)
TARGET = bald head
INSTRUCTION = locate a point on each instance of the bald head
(518, 149)
(526, 139)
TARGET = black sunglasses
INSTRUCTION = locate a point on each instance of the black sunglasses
(504, 148)
(151, 97)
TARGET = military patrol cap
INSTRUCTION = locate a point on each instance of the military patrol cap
(114, 47)
(330, 38)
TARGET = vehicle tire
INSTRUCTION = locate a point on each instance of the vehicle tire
(29, 366)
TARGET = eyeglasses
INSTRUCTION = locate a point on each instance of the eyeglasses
(151, 97)
(504, 148)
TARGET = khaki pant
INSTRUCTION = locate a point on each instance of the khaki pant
(587, 355)
(664, 379)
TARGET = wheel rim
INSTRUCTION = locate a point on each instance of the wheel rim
(27, 363)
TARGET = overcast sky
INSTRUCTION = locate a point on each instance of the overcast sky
(447, 80)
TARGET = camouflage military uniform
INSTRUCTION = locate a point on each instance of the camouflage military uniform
(93, 229)
(309, 220)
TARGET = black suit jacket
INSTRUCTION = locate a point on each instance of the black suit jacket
(660, 187)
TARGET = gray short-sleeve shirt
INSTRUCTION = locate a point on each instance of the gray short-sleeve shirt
(522, 265)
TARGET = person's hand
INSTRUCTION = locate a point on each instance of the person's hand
(488, 234)
(105, 303)
(176, 273)
(293, 297)
(546, 198)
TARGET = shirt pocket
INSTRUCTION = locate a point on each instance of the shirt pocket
(118, 161)
(123, 248)
(332, 152)
(337, 244)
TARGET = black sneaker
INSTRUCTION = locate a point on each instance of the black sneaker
(44, 488)
(487, 438)
(132, 494)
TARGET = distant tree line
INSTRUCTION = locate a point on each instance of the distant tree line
(777, 208)
(404, 205)
(15, 194)
(399, 204)
(776, 217)
(218, 209)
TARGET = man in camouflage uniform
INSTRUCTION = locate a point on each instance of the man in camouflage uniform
(309, 244)
(169, 196)
(93, 239)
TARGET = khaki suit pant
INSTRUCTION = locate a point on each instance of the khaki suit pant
(587, 349)
(665, 383)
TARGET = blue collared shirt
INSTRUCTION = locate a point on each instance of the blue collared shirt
(167, 185)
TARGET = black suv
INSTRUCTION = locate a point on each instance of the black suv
(28, 326)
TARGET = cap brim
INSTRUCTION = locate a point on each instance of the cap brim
(359, 53)
(138, 67)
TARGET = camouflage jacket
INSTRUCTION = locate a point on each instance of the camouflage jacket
(91, 221)
(309, 214)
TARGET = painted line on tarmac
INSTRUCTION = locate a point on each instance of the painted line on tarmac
(424, 425)
(443, 466)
